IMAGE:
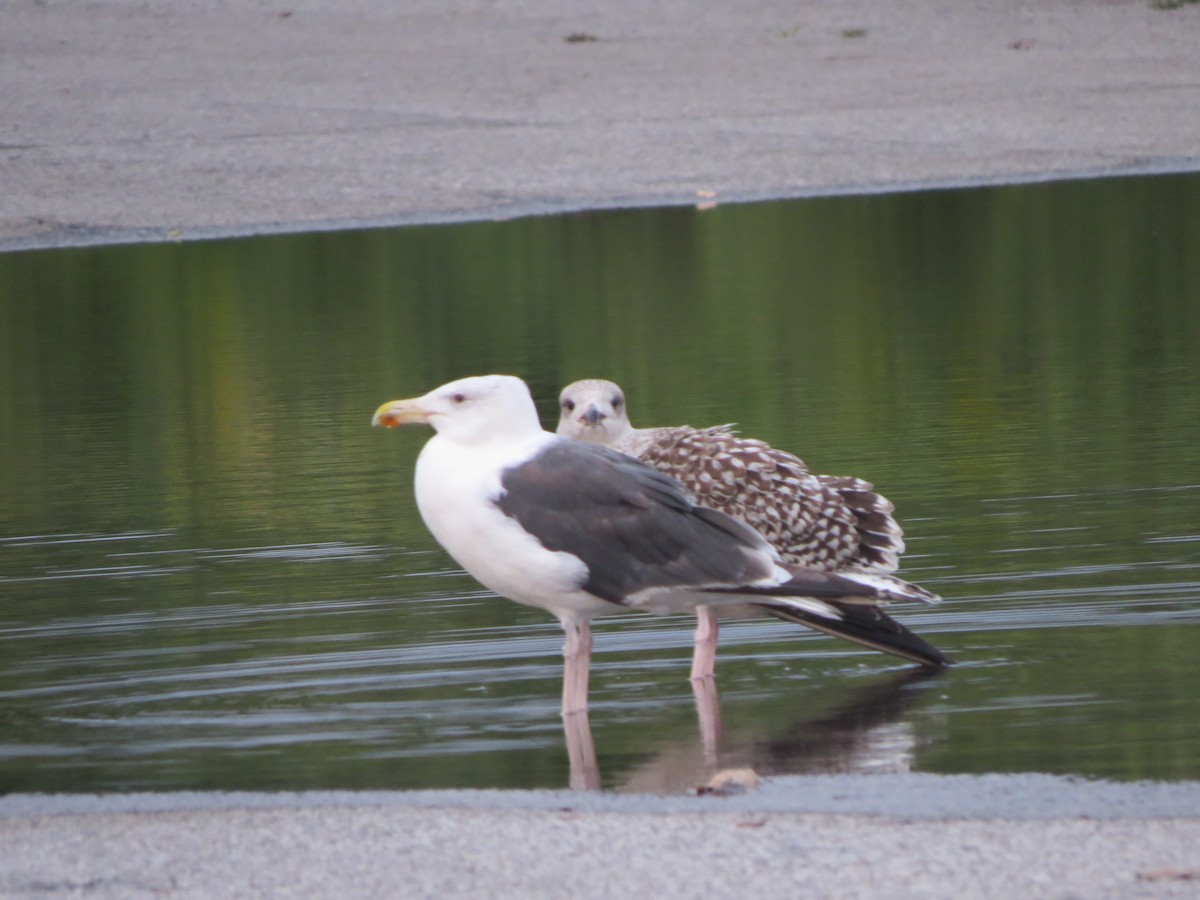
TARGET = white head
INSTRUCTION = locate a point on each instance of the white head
(593, 410)
(470, 410)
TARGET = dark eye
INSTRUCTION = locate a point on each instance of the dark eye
(617, 401)
(458, 398)
(568, 405)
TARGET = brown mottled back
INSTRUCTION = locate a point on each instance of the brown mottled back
(819, 521)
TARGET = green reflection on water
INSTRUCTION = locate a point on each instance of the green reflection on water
(1014, 367)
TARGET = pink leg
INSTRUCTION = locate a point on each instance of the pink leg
(708, 710)
(704, 656)
(577, 658)
(581, 752)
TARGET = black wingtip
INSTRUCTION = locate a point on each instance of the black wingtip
(866, 625)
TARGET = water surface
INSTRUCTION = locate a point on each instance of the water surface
(212, 574)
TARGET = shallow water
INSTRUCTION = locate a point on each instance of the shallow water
(212, 574)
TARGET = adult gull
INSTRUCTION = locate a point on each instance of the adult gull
(581, 530)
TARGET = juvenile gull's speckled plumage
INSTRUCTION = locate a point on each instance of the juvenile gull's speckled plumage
(581, 531)
(824, 522)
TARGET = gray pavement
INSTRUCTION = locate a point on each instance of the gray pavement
(377, 852)
(123, 120)
(1105, 841)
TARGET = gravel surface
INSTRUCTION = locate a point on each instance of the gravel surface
(474, 845)
(124, 120)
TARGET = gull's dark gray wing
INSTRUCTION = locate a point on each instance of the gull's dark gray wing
(634, 528)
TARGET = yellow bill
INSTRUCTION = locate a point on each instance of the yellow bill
(400, 412)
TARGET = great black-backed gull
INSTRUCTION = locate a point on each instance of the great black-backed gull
(581, 531)
(823, 522)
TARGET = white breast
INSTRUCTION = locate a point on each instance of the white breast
(456, 489)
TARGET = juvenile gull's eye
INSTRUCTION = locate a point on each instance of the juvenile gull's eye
(617, 401)
(568, 405)
(458, 398)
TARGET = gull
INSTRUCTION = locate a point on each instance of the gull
(826, 522)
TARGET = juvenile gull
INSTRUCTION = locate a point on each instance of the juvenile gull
(582, 530)
(823, 522)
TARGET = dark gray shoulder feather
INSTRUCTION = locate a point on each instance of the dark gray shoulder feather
(633, 527)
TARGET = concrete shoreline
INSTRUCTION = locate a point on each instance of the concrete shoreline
(509, 844)
(908, 796)
(124, 121)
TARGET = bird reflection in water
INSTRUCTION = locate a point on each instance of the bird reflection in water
(864, 734)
